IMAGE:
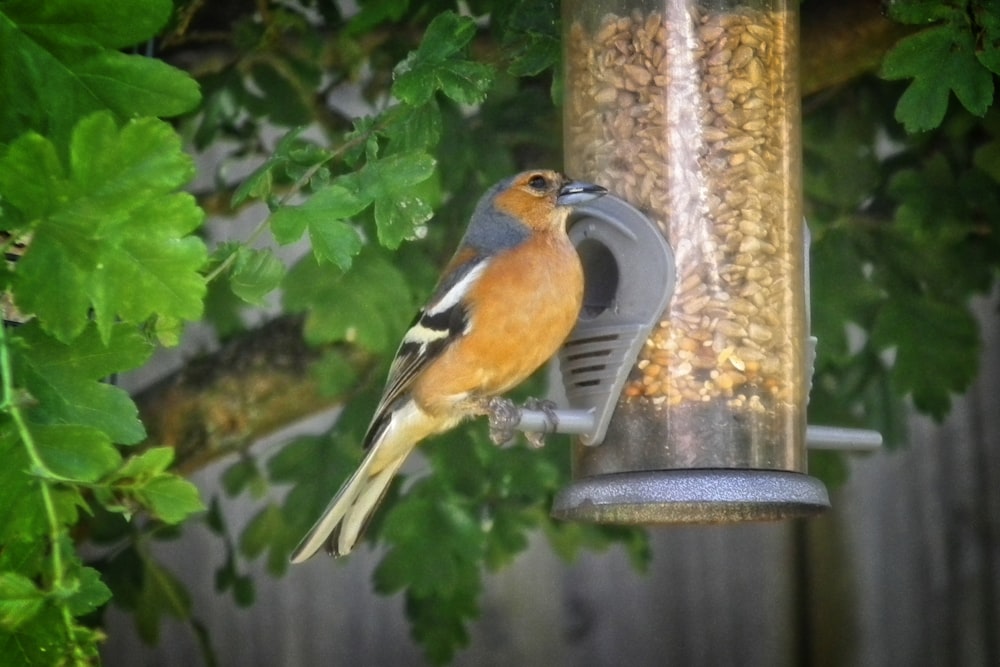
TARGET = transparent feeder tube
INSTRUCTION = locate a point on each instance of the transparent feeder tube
(690, 111)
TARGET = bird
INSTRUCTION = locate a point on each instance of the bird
(506, 301)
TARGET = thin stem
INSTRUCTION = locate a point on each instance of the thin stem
(11, 406)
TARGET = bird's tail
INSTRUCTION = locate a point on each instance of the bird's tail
(349, 512)
(391, 438)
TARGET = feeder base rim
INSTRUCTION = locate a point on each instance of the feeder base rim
(658, 497)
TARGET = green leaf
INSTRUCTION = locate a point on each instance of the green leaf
(936, 347)
(398, 212)
(369, 305)
(259, 536)
(259, 183)
(256, 537)
(74, 452)
(928, 210)
(20, 600)
(228, 577)
(941, 209)
(438, 65)
(439, 622)
(89, 592)
(25, 556)
(146, 464)
(396, 174)
(324, 214)
(161, 594)
(939, 59)
(238, 476)
(223, 309)
(531, 36)
(437, 548)
(335, 241)
(400, 218)
(62, 61)
(987, 158)
(919, 12)
(43, 640)
(22, 513)
(105, 22)
(255, 274)
(838, 282)
(538, 54)
(286, 99)
(170, 498)
(987, 19)
(334, 373)
(143, 480)
(64, 379)
(413, 128)
(374, 13)
(444, 567)
(446, 36)
(112, 234)
(244, 474)
(291, 154)
(844, 170)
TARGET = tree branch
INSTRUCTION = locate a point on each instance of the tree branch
(223, 402)
(840, 41)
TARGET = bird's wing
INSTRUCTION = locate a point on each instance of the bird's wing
(436, 327)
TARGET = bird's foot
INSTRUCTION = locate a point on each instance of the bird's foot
(504, 417)
(537, 438)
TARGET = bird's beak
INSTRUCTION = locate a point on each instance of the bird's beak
(577, 192)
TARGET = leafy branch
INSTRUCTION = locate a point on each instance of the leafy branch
(21, 599)
(957, 54)
(89, 178)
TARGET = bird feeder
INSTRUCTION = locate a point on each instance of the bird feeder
(696, 282)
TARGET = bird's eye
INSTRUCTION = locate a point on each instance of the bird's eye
(538, 182)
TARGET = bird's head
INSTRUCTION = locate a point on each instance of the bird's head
(541, 199)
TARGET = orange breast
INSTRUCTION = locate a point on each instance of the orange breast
(522, 309)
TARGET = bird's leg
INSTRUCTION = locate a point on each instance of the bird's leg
(504, 417)
(548, 408)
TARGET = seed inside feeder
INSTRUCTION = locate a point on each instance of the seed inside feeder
(692, 116)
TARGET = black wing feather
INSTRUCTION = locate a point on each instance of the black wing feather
(415, 353)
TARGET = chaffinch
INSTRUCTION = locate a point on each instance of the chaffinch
(507, 300)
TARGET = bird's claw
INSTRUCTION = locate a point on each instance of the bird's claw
(537, 438)
(504, 417)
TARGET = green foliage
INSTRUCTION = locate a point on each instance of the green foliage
(90, 176)
(902, 239)
(110, 234)
(947, 57)
(438, 64)
(56, 439)
(904, 229)
(62, 61)
(370, 305)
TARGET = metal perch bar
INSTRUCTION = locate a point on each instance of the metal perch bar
(581, 422)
